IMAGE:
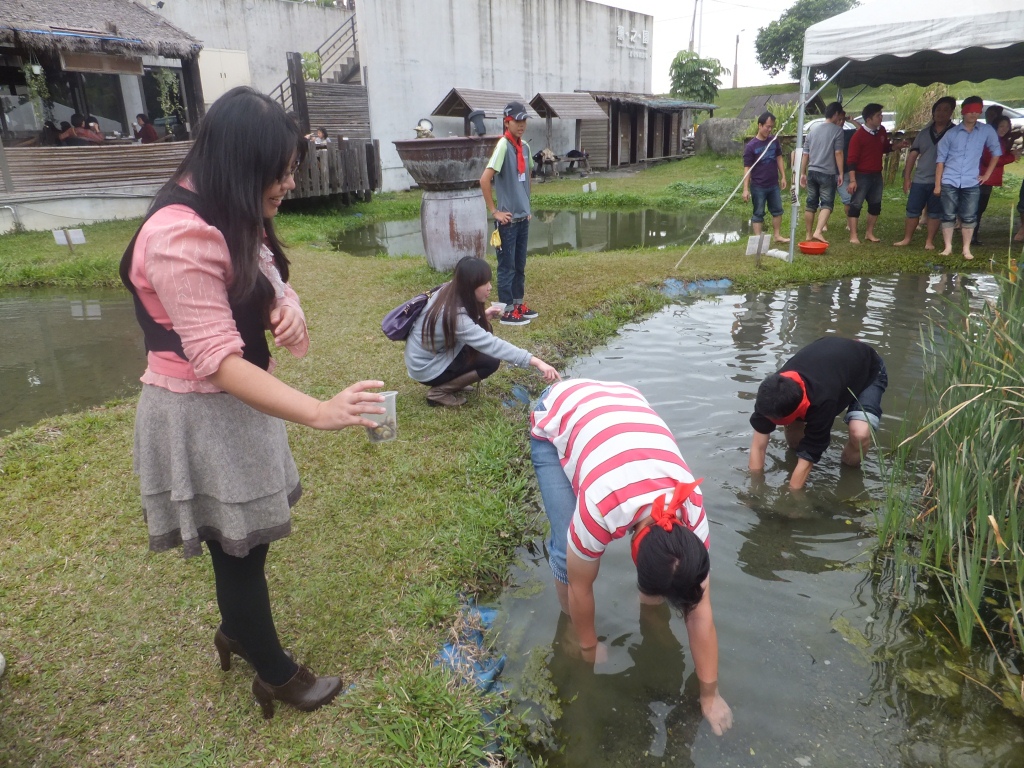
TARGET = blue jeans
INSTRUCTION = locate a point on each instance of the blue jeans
(821, 190)
(558, 496)
(921, 195)
(868, 405)
(962, 202)
(761, 196)
(512, 261)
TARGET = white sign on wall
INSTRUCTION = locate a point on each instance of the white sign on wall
(636, 42)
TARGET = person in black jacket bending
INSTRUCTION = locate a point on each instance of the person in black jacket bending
(818, 383)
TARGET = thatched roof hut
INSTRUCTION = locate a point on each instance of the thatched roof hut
(92, 26)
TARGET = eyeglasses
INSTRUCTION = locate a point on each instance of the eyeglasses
(292, 169)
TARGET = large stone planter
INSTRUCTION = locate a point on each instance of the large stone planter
(453, 216)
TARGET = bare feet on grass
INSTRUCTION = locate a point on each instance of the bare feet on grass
(929, 246)
(781, 239)
(901, 243)
(872, 239)
(947, 252)
(819, 237)
(968, 256)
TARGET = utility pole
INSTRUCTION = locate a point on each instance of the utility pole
(736, 62)
(693, 24)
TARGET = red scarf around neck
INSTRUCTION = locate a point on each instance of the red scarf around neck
(517, 144)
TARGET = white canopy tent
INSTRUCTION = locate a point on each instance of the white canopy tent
(913, 41)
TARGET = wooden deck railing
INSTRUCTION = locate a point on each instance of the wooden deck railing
(58, 169)
(347, 167)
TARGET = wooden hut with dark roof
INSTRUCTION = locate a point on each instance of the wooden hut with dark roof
(62, 41)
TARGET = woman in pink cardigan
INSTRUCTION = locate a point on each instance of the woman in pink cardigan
(209, 278)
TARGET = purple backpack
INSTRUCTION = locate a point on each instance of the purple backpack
(398, 322)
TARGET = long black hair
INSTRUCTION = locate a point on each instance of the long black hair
(245, 143)
(460, 293)
(673, 564)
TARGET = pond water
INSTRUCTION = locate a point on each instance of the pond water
(821, 663)
(65, 351)
(552, 231)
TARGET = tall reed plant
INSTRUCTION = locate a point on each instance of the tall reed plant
(963, 521)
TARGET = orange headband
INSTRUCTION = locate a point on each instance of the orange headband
(665, 517)
(801, 410)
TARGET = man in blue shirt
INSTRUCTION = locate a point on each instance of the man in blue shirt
(958, 159)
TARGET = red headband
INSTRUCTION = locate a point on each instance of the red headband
(968, 109)
(665, 517)
(801, 410)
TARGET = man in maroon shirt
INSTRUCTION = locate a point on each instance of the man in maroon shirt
(864, 162)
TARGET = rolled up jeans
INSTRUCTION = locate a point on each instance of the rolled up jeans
(558, 496)
(868, 404)
(960, 202)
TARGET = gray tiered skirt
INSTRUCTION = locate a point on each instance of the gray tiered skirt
(212, 468)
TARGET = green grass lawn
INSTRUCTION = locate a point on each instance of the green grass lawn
(109, 647)
(1009, 92)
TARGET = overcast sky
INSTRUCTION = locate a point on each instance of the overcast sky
(716, 36)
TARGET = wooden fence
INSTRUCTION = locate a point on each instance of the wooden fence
(344, 168)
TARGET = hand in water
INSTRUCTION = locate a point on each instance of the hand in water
(717, 713)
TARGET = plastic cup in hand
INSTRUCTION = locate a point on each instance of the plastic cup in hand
(498, 305)
(387, 422)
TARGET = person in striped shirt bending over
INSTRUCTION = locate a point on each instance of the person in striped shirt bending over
(607, 466)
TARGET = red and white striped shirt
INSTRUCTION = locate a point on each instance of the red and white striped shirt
(619, 456)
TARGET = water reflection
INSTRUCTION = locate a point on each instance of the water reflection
(552, 231)
(653, 699)
(814, 648)
(65, 352)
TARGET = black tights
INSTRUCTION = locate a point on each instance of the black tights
(244, 602)
(467, 360)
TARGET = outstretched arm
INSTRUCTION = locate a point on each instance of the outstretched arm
(758, 448)
(799, 478)
(582, 574)
(268, 394)
(700, 628)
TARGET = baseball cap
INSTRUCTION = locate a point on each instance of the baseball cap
(515, 111)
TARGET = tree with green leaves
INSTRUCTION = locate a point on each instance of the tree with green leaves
(781, 43)
(695, 78)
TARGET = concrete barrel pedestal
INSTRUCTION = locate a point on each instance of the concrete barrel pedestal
(453, 216)
(454, 224)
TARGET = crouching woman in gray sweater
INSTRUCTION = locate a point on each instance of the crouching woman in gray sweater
(451, 347)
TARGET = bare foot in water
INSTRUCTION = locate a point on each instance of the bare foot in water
(904, 241)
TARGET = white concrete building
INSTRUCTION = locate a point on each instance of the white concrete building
(245, 42)
(413, 52)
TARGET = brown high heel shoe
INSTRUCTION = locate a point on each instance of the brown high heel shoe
(305, 691)
(226, 646)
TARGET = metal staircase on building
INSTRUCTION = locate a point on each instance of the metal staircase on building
(339, 63)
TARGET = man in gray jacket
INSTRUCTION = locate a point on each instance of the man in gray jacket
(919, 174)
(821, 171)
